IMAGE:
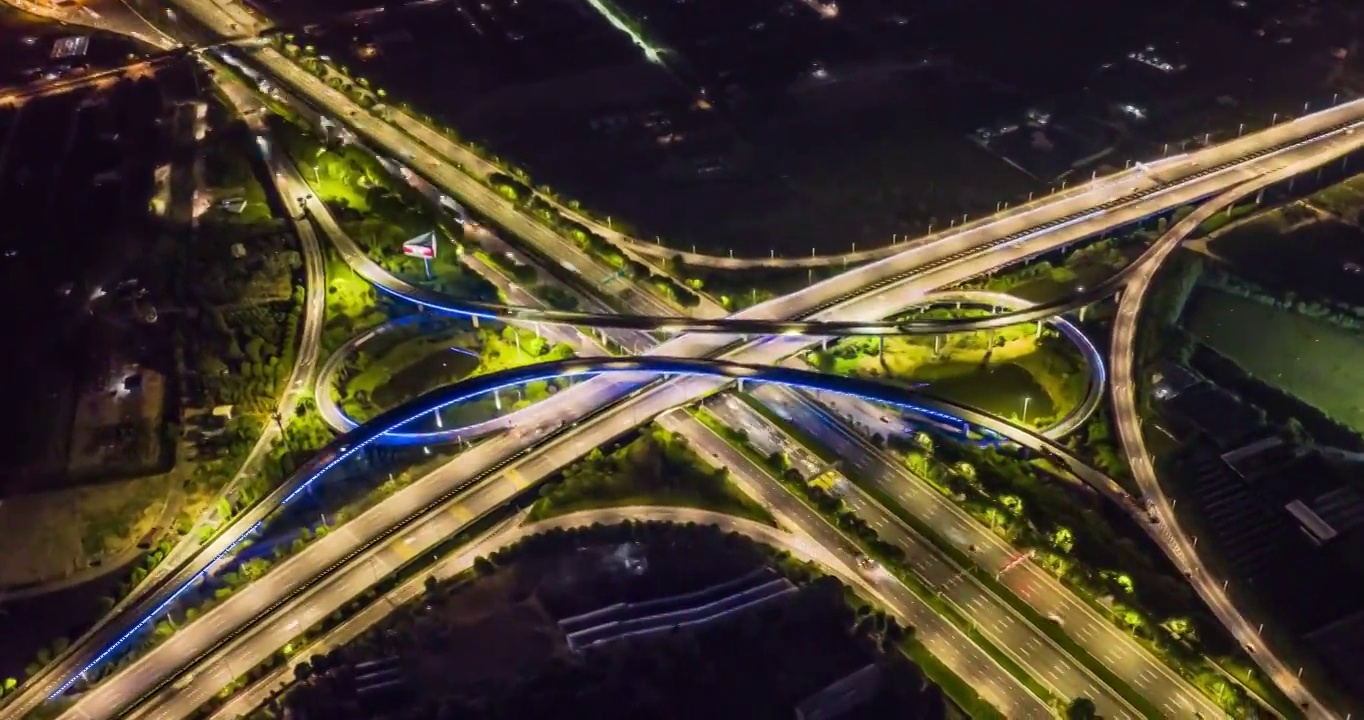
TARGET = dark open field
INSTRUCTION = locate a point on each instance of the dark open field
(767, 126)
(76, 176)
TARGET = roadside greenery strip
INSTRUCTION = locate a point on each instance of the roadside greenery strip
(514, 185)
(960, 691)
(961, 559)
(888, 554)
(1029, 613)
(983, 484)
(359, 90)
(1022, 509)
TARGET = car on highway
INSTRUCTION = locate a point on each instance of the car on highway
(1053, 457)
(866, 564)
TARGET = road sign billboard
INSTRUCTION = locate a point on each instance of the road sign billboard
(422, 246)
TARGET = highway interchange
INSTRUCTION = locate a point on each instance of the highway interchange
(589, 443)
(855, 300)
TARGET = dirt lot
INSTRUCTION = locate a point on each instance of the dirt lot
(503, 625)
(64, 532)
(119, 430)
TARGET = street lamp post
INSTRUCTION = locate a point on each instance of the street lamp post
(1026, 399)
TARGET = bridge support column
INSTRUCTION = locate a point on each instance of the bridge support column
(937, 345)
(497, 398)
(1038, 336)
(741, 384)
(881, 346)
(475, 319)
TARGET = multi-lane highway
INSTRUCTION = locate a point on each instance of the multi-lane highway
(1096, 635)
(991, 616)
